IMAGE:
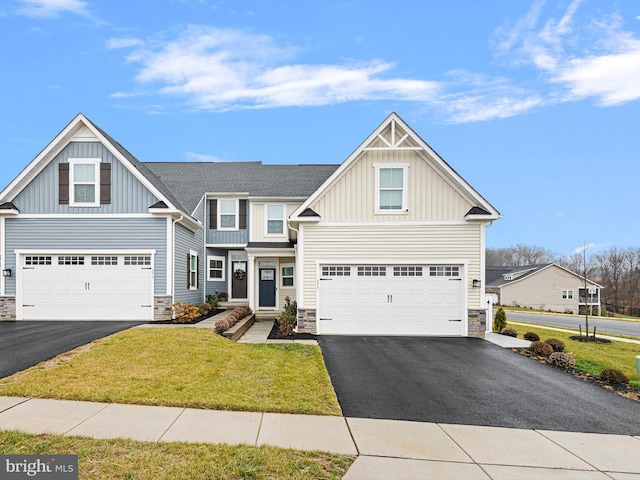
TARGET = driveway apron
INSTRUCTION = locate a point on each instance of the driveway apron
(24, 344)
(467, 381)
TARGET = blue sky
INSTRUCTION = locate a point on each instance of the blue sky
(536, 104)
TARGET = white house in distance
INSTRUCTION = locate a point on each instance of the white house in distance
(542, 287)
(389, 242)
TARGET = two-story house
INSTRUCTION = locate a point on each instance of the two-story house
(390, 241)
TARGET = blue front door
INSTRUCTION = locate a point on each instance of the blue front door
(267, 287)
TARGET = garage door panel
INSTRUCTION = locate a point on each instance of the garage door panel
(388, 300)
(85, 287)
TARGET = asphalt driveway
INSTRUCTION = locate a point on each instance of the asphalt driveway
(24, 344)
(467, 381)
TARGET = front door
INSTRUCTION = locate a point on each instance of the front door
(267, 287)
(239, 279)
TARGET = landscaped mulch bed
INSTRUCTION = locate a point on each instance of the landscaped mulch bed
(195, 320)
(627, 391)
(274, 334)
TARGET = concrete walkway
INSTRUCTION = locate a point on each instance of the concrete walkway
(385, 449)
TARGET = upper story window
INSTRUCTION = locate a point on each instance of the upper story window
(275, 219)
(391, 181)
(228, 214)
(85, 182)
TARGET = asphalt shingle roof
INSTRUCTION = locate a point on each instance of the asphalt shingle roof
(188, 181)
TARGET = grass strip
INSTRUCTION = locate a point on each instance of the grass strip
(130, 459)
(184, 368)
(593, 357)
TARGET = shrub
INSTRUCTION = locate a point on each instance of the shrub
(562, 360)
(611, 375)
(500, 320)
(541, 348)
(204, 308)
(510, 332)
(234, 316)
(213, 301)
(534, 337)
(557, 345)
(223, 296)
(287, 320)
(185, 312)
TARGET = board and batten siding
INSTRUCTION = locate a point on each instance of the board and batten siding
(412, 243)
(259, 222)
(225, 237)
(353, 196)
(108, 234)
(128, 195)
(185, 241)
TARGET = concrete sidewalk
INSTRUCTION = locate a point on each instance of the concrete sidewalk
(385, 449)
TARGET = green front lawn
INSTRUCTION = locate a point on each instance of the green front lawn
(184, 367)
(129, 459)
(593, 357)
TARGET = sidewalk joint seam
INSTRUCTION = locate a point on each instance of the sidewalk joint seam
(12, 406)
(87, 418)
(171, 425)
(459, 446)
(255, 444)
(353, 439)
(566, 450)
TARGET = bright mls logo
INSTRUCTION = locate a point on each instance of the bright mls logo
(49, 467)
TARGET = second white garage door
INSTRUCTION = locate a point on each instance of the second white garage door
(391, 300)
(86, 287)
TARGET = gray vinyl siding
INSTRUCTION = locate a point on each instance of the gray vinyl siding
(128, 195)
(186, 240)
(217, 286)
(226, 237)
(88, 233)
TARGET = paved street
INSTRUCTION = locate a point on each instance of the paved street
(602, 325)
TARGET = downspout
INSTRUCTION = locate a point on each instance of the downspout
(173, 258)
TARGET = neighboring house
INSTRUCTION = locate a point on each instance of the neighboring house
(543, 287)
(391, 241)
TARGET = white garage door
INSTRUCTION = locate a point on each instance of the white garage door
(391, 299)
(86, 287)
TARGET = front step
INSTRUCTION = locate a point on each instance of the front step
(233, 304)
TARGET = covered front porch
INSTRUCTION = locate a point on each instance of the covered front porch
(271, 275)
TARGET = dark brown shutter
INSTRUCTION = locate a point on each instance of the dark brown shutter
(188, 270)
(197, 271)
(242, 220)
(63, 184)
(213, 214)
(105, 183)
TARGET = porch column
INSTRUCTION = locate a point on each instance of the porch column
(251, 281)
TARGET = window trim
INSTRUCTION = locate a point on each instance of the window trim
(292, 276)
(223, 268)
(73, 162)
(267, 218)
(236, 214)
(405, 169)
(567, 294)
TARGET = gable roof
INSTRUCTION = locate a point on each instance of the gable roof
(495, 275)
(481, 210)
(189, 181)
(82, 128)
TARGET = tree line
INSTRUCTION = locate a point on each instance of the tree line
(616, 269)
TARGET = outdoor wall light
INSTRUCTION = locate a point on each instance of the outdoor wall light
(476, 283)
(6, 272)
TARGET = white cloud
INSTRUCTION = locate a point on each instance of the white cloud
(115, 43)
(52, 8)
(199, 157)
(221, 69)
(585, 57)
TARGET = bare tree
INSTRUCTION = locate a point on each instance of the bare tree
(613, 266)
(586, 269)
(519, 255)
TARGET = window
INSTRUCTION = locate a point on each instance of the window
(29, 260)
(444, 271)
(85, 182)
(142, 260)
(392, 192)
(287, 275)
(227, 214)
(566, 294)
(336, 271)
(216, 268)
(372, 271)
(275, 219)
(193, 270)
(71, 260)
(107, 260)
(408, 271)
